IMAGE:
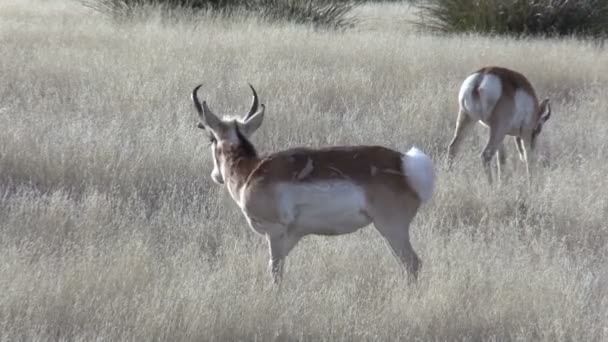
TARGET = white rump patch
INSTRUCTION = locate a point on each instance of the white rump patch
(418, 168)
(325, 207)
(489, 90)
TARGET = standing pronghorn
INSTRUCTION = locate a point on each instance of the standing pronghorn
(505, 101)
(331, 191)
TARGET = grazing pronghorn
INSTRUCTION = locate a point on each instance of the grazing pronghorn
(330, 191)
(505, 101)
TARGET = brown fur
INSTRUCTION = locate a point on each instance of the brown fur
(364, 165)
(376, 169)
(511, 81)
(500, 120)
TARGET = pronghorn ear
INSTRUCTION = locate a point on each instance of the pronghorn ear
(249, 126)
(209, 119)
(545, 112)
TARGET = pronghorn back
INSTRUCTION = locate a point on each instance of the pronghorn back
(362, 165)
(365, 166)
(511, 80)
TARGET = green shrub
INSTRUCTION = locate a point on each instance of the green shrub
(127, 9)
(326, 13)
(516, 17)
(321, 13)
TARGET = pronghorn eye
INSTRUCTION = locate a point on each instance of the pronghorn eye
(212, 139)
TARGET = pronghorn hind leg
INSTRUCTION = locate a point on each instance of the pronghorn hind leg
(501, 161)
(494, 142)
(402, 249)
(486, 159)
(463, 125)
(393, 226)
(498, 131)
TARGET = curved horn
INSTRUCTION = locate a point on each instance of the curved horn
(197, 103)
(207, 117)
(254, 104)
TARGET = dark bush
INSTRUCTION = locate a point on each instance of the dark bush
(516, 17)
(321, 13)
(326, 13)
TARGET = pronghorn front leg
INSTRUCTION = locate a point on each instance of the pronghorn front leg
(530, 158)
(280, 245)
(276, 245)
(520, 149)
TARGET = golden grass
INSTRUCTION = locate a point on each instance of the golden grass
(110, 227)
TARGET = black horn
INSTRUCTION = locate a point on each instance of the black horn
(254, 104)
(197, 103)
(198, 106)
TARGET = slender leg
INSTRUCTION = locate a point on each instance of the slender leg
(463, 125)
(520, 148)
(280, 246)
(486, 156)
(501, 161)
(498, 131)
(402, 249)
(394, 229)
(530, 159)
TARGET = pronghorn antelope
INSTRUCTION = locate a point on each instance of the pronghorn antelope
(329, 191)
(505, 101)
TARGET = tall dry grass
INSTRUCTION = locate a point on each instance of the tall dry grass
(110, 227)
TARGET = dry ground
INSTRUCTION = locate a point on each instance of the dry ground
(110, 227)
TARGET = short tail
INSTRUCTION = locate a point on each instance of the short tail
(418, 168)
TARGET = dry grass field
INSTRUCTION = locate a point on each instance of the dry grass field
(111, 228)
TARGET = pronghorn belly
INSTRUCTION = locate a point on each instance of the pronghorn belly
(325, 207)
(479, 94)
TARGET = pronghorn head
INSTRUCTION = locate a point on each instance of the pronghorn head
(544, 113)
(228, 135)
